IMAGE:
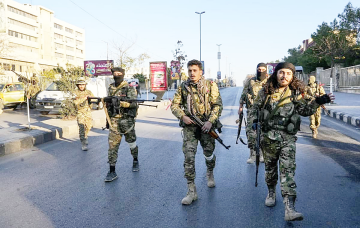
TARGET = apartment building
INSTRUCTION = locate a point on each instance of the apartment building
(35, 40)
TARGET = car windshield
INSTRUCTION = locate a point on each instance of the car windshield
(1, 86)
(52, 87)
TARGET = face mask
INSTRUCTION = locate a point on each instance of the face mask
(118, 79)
(260, 75)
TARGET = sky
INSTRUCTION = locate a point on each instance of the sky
(249, 32)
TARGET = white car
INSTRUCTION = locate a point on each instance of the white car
(50, 99)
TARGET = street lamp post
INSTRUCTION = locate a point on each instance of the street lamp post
(219, 57)
(200, 30)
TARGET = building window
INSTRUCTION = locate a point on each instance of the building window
(79, 34)
(58, 36)
(69, 40)
(69, 57)
(57, 46)
(22, 24)
(20, 68)
(22, 36)
(58, 26)
(69, 30)
(78, 42)
(58, 55)
(22, 13)
(68, 48)
(13, 67)
(6, 66)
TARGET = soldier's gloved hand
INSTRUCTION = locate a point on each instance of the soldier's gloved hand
(124, 104)
(326, 98)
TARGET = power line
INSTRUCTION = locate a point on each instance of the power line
(110, 27)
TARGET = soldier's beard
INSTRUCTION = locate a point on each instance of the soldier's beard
(118, 80)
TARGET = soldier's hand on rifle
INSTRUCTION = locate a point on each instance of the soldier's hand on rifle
(207, 126)
(187, 120)
(124, 104)
(240, 109)
(326, 98)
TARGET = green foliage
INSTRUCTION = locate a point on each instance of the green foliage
(67, 84)
(141, 77)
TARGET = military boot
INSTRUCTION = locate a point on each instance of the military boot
(252, 157)
(261, 156)
(290, 213)
(270, 200)
(135, 167)
(210, 178)
(111, 175)
(83, 145)
(314, 132)
(191, 194)
(86, 141)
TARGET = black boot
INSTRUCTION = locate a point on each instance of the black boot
(135, 167)
(111, 175)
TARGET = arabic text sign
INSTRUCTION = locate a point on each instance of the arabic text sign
(158, 76)
(98, 67)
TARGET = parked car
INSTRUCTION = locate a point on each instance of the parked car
(11, 95)
(50, 99)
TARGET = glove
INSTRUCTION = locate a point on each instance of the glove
(323, 99)
(124, 104)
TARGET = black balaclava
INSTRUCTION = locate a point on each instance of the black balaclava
(118, 79)
(260, 75)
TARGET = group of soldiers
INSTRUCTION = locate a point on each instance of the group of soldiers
(32, 88)
(279, 98)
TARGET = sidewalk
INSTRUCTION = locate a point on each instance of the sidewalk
(346, 108)
(18, 137)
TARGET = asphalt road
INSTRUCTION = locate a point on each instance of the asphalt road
(58, 185)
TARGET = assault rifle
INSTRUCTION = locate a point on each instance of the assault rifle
(239, 121)
(257, 146)
(212, 132)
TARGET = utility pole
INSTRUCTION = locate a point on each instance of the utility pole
(219, 57)
(200, 30)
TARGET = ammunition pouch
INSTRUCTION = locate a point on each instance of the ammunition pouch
(294, 126)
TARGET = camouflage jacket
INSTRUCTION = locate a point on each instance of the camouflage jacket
(279, 111)
(125, 91)
(209, 110)
(251, 90)
(314, 90)
(81, 104)
(32, 90)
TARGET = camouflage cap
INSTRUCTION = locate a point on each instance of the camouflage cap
(119, 69)
(81, 81)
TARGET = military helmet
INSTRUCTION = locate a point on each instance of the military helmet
(81, 81)
(312, 79)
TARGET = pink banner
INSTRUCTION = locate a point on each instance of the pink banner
(158, 76)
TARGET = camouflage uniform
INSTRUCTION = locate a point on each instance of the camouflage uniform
(250, 91)
(315, 90)
(83, 110)
(278, 134)
(209, 107)
(122, 123)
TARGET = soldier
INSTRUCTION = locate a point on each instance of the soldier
(83, 110)
(250, 91)
(122, 122)
(199, 97)
(32, 88)
(315, 90)
(281, 105)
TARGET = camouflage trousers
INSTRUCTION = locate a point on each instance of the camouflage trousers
(315, 119)
(250, 133)
(284, 153)
(191, 136)
(85, 124)
(120, 127)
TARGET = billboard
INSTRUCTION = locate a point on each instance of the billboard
(98, 67)
(175, 70)
(158, 77)
(271, 67)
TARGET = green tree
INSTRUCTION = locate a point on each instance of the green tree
(125, 59)
(141, 77)
(67, 84)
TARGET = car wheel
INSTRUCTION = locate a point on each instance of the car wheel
(44, 112)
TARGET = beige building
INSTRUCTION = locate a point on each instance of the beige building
(33, 40)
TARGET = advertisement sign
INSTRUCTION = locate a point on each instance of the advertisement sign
(175, 70)
(158, 77)
(98, 67)
(271, 68)
(219, 75)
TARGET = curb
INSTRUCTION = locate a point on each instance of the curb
(46, 135)
(346, 118)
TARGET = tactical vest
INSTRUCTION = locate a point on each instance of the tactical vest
(122, 91)
(254, 88)
(281, 114)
